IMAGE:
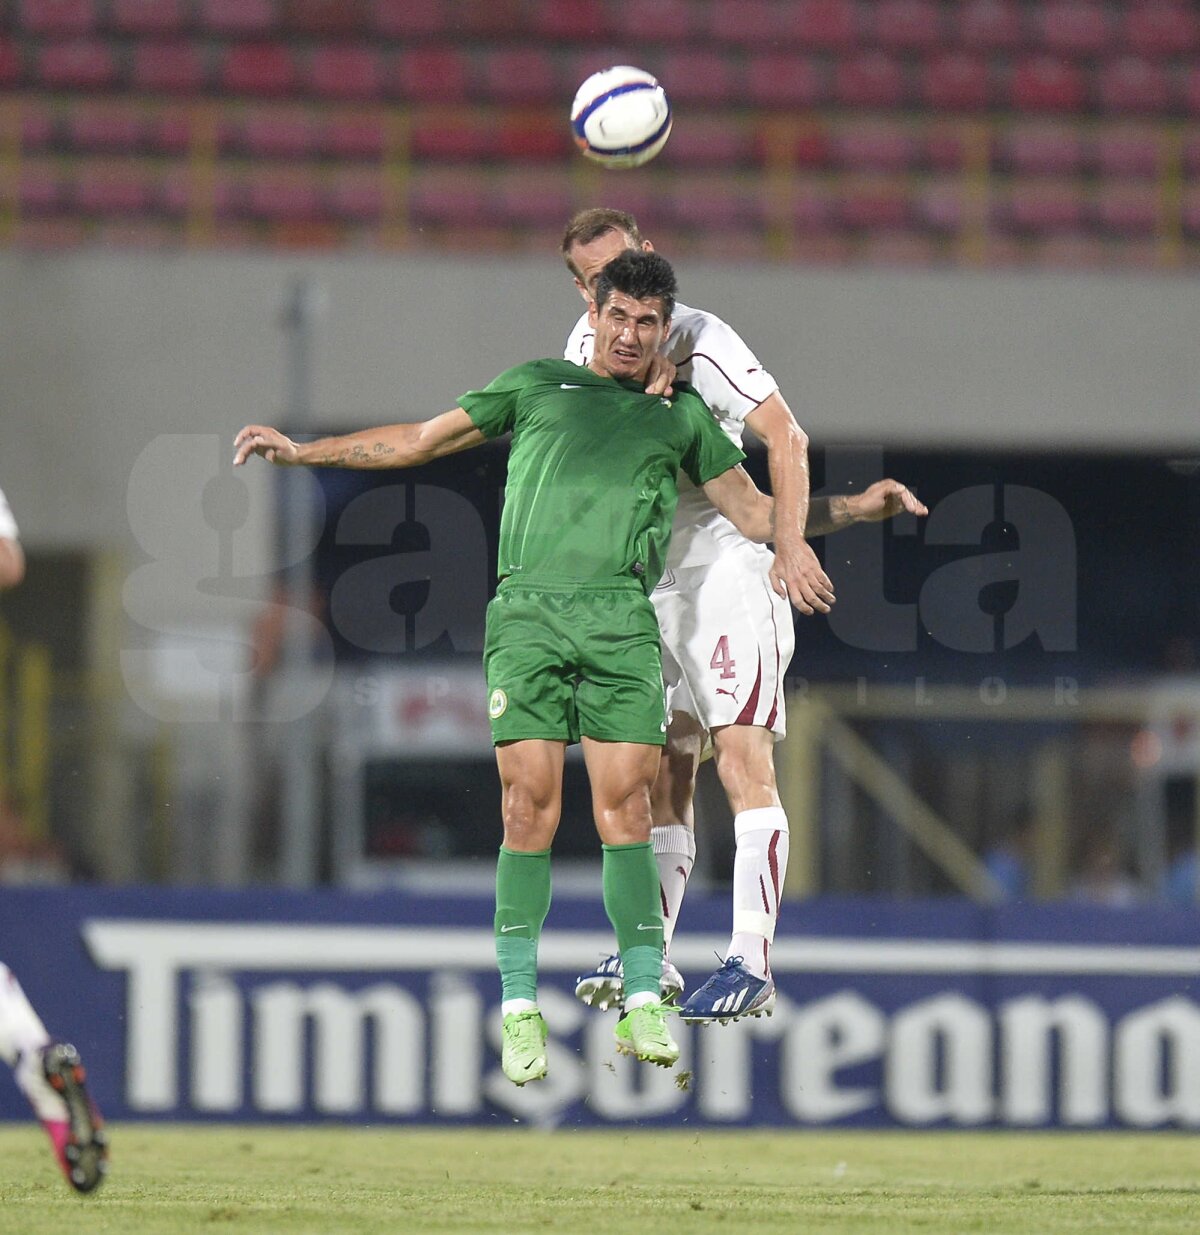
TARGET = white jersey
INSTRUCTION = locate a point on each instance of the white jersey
(8, 525)
(727, 375)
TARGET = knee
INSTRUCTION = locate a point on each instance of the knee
(747, 776)
(530, 817)
(625, 820)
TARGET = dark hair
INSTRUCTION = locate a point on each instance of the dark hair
(591, 224)
(640, 275)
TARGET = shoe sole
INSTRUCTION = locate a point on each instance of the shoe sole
(86, 1153)
(659, 1061)
(766, 1008)
(604, 993)
(541, 1076)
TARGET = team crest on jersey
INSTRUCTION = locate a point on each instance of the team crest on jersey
(497, 704)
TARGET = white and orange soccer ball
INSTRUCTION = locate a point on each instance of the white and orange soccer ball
(621, 117)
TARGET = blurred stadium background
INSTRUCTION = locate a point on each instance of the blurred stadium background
(962, 235)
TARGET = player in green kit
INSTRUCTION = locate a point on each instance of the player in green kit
(572, 650)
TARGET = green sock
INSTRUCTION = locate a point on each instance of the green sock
(522, 902)
(631, 897)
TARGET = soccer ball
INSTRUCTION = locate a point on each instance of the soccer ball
(621, 117)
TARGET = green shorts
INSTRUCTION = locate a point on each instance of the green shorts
(570, 659)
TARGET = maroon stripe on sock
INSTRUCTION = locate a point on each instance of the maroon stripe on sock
(766, 958)
(775, 629)
(662, 896)
(762, 891)
(773, 862)
(746, 715)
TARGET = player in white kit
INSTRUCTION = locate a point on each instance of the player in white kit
(727, 638)
(50, 1074)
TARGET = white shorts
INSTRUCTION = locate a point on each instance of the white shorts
(727, 639)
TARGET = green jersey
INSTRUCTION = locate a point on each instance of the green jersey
(592, 469)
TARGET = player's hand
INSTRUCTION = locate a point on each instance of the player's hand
(884, 500)
(266, 442)
(796, 574)
(661, 375)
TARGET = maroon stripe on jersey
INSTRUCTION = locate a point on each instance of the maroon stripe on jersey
(704, 356)
(775, 629)
(746, 715)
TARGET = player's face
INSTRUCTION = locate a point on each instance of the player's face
(591, 258)
(629, 333)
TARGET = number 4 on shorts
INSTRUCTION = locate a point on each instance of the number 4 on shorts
(722, 660)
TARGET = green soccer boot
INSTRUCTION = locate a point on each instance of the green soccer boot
(524, 1055)
(643, 1033)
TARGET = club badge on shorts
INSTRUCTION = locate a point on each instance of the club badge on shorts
(497, 704)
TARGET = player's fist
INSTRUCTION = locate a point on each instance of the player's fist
(266, 442)
(884, 500)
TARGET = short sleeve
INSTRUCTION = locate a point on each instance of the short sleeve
(8, 525)
(580, 343)
(710, 452)
(726, 374)
(493, 410)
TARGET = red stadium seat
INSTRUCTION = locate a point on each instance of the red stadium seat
(1190, 90)
(172, 68)
(1034, 206)
(324, 18)
(792, 143)
(82, 65)
(875, 146)
(41, 188)
(665, 22)
(712, 204)
(169, 130)
(530, 137)
(258, 68)
(956, 81)
(182, 194)
(989, 25)
(949, 144)
(108, 124)
(444, 199)
(873, 203)
(346, 72)
(940, 205)
(353, 136)
(908, 25)
(238, 17)
(749, 23)
(402, 19)
(519, 75)
(1042, 147)
(57, 17)
(115, 187)
(433, 75)
(38, 126)
(1073, 27)
(1161, 29)
(148, 17)
(357, 194)
(464, 136)
(1131, 85)
(531, 197)
(832, 25)
(870, 79)
(705, 78)
(277, 132)
(1128, 149)
(10, 63)
(1128, 208)
(291, 194)
(1046, 83)
(809, 205)
(784, 80)
(1191, 156)
(706, 141)
(570, 21)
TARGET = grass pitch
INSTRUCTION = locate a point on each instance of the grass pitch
(167, 1180)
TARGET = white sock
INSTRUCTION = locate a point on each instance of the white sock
(21, 1029)
(675, 852)
(512, 1006)
(759, 866)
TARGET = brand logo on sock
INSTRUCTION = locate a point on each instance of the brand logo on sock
(497, 704)
(652, 927)
(505, 929)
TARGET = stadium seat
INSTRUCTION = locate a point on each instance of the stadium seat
(703, 78)
(345, 71)
(712, 203)
(949, 144)
(10, 62)
(792, 143)
(1161, 29)
(1128, 208)
(532, 197)
(357, 194)
(869, 79)
(1044, 83)
(899, 247)
(1128, 150)
(432, 75)
(1190, 213)
(56, 18)
(116, 186)
(148, 17)
(519, 75)
(258, 68)
(570, 21)
(80, 65)
(708, 140)
(41, 188)
(182, 194)
(172, 68)
(988, 25)
(874, 146)
(284, 194)
(956, 81)
(324, 18)
(236, 17)
(808, 205)
(831, 25)
(1072, 27)
(665, 22)
(1070, 250)
(1041, 147)
(353, 135)
(1133, 86)
(274, 132)
(106, 124)
(531, 137)
(460, 136)
(169, 129)
(442, 199)
(1189, 92)
(39, 127)
(749, 23)
(940, 204)
(787, 82)
(907, 25)
(872, 203)
(1042, 205)
(402, 19)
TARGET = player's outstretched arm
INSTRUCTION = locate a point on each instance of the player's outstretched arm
(12, 563)
(883, 500)
(403, 445)
(752, 512)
